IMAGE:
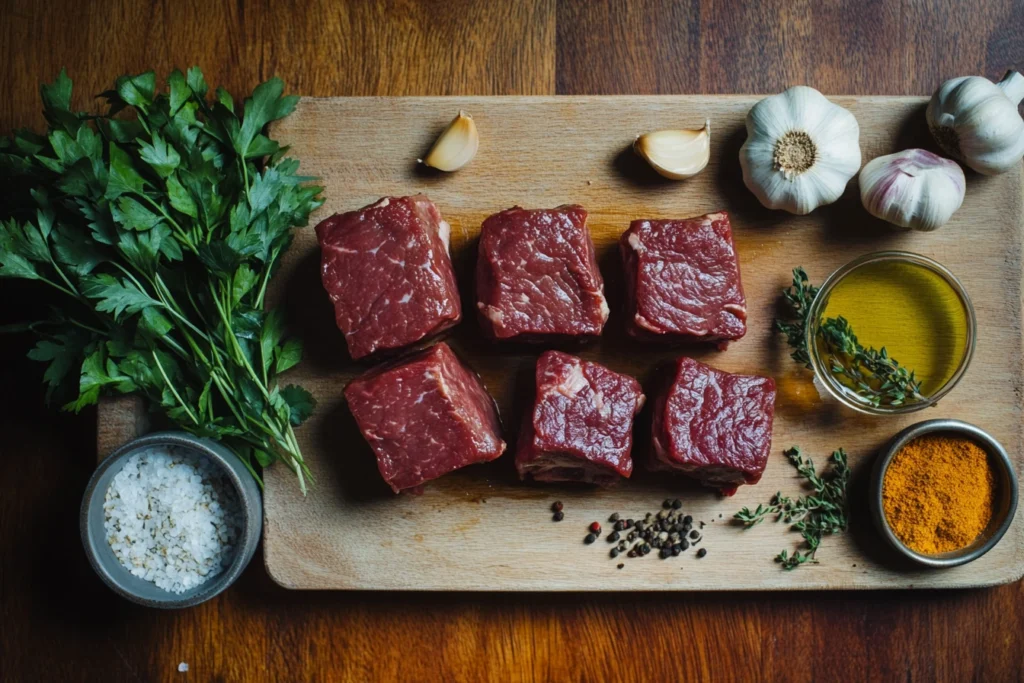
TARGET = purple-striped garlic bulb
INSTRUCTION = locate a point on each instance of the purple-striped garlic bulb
(912, 189)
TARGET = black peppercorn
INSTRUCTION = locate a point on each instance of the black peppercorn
(665, 552)
(676, 504)
(614, 552)
(702, 552)
(590, 538)
(613, 537)
(684, 544)
(694, 534)
(559, 516)
(688, 519)
(614, 517)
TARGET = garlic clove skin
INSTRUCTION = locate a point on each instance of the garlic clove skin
(912, 189)
(801, 150)
(977, 122)
(455, 146)
(676, 154)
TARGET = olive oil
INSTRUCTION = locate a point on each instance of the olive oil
(909, 309)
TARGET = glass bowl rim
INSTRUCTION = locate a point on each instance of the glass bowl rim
(817, 308)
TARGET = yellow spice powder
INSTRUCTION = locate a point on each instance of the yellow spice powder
(938, 493)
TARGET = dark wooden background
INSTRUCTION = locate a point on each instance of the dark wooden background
(59, 623)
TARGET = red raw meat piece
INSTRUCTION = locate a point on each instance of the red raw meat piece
(537, 276)
(388, 272)
(714, 426)
(683, 280)
(425, 416)
(581, 424)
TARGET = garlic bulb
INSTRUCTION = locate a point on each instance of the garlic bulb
(801, 150)
(912, 189)
(976, 121)
(455, 146)
(676, 154)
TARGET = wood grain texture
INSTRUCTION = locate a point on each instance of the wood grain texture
(57, 622)
(351, 532)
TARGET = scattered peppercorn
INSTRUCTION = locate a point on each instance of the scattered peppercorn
(556, 506)
(667, 531)
(620, 565)
(559, 516)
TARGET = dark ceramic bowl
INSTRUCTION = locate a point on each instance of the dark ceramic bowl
(1006, 492)
(113, 573)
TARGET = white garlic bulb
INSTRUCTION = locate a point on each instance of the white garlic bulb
(976, 121)
(801, 150)
(912, 189)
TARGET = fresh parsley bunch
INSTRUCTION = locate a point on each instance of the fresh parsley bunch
(161, 222)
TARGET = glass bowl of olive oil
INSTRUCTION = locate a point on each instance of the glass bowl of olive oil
(890, 332)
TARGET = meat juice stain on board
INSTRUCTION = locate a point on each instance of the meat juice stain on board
(910, 310)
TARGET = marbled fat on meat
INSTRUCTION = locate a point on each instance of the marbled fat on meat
(581, 424)
(425, 416)
(714, 426)
(537, 276)
(683, 280)
(388, 272)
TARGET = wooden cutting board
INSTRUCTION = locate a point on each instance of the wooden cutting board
(482, 529)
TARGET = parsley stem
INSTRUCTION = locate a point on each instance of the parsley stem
(170, 385)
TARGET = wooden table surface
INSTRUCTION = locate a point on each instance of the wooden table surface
(58, 622)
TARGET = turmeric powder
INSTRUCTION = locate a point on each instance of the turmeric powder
(938, 493)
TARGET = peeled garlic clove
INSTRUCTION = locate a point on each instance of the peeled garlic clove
(676, 154)
(456, 146)
(977, 121)
(912, 189)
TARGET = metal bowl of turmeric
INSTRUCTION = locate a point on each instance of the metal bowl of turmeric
(943, 492)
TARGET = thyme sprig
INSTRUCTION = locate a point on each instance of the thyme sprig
(873, 374)
(815, 516)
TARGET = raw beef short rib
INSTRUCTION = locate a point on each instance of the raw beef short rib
(683, 280)
(537, 276)
(581, 424)
(714, 426)
(388, 272)
(425, 416)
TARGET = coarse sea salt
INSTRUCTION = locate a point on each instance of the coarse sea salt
(172, 517)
